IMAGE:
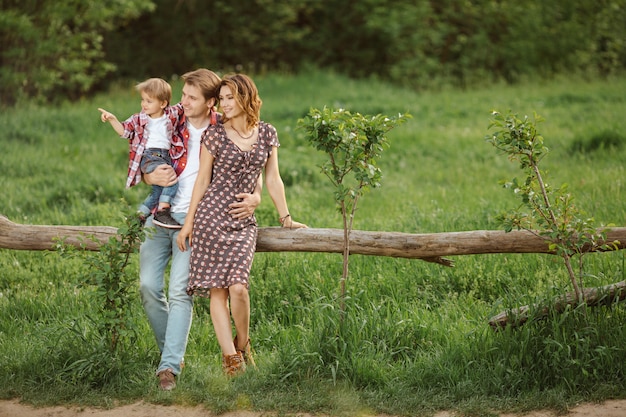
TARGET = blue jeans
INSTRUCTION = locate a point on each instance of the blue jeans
(152, 158)
(169, 317)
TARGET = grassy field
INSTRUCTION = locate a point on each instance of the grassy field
(415, 338)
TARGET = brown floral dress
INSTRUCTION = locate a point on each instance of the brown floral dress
(222, 246)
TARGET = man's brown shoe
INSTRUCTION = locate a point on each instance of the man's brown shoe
(167, 380)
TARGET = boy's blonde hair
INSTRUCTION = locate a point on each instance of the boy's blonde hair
(156, 88)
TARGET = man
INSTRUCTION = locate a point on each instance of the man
(170, 317)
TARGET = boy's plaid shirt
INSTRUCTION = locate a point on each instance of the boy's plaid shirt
(134, 131)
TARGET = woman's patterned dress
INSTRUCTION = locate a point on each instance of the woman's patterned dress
(223, 247)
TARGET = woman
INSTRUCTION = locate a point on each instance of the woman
(233, 155)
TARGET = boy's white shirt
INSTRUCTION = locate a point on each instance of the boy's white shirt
(187, 178)
(157, 133)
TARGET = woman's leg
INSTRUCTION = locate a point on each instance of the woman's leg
(240, 310)
(220, 315)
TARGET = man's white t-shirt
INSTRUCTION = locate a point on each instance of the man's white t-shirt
(187, 178)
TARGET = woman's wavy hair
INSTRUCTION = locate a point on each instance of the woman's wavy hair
(246, 95)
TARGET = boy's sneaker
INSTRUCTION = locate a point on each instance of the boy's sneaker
(163, 218)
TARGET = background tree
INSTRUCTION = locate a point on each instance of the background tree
(53, 49)
(67, 48)
(420, 44)
(222, 35)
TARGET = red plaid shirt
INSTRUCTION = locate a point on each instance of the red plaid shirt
(134, 131)
(179, 161)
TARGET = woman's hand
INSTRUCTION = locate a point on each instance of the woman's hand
(184, 236)
(288, 223)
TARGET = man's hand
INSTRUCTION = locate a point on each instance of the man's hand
(164, 175)
(245, 207)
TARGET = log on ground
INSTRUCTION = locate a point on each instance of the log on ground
(592, 297)
(427, 246)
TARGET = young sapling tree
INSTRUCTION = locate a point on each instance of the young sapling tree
(353, 143)
(545, 210)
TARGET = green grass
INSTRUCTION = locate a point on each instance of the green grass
(415, 338)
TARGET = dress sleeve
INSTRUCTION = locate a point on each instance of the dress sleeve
(272, 135)
(211, 139)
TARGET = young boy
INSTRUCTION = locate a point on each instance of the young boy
(152, 140)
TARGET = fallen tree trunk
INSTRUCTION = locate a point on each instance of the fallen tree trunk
(429, 246)
(593, 297)
(41, 237)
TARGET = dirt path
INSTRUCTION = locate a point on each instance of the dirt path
(13, 408)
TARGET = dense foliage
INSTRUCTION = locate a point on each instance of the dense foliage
(64, 48)
(53, 49)
(417, 43)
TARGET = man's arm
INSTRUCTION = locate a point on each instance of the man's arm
(249, 202)
(164, 175)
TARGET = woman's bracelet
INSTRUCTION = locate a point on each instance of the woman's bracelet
(282, 219)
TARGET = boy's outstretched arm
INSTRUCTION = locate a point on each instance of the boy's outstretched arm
(106, 116)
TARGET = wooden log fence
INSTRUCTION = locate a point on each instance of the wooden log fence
(430, 247)
(426, 246)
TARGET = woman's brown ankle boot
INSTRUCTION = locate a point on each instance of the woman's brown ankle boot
(246, 352)
(233, 364)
